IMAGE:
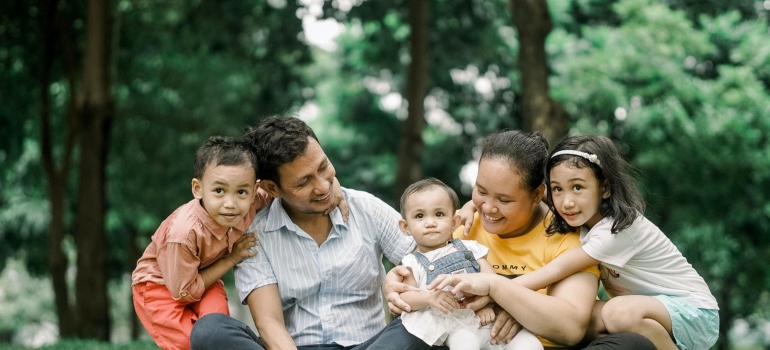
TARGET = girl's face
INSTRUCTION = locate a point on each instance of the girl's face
(505, 208)
(577, 194)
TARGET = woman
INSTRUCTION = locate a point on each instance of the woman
(511, 222)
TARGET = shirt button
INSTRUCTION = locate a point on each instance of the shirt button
(327, 319)
(184, 294)
(313, 249)
(323, 299)
(327, 277)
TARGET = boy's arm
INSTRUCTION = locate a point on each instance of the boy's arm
(566, 264)
(241, 250)
(265, 306)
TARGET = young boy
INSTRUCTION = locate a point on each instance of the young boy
(177, 279)
(428, 215)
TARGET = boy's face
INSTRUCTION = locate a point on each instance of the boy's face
(226, 192)
(429, 218)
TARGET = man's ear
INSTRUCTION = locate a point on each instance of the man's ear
(271, 188)
(402, 225)
(196, 189)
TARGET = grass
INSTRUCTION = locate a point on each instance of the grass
(88, 345)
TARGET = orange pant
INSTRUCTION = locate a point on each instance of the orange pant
(168, 321)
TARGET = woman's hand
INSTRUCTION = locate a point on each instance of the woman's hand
(504, 329)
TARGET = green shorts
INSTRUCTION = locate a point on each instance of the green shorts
(694, 328)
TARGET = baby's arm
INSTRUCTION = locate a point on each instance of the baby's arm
(241, 250)
(566, 264)
(441, 300)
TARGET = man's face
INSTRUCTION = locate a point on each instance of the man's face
(306, 182)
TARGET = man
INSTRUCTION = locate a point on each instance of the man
(315, 281)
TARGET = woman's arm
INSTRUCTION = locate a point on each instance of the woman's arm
(560, 316)
(564, 265)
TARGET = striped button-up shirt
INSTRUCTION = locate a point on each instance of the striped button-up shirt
(329, 293)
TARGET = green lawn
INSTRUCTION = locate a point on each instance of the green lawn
(89, 345)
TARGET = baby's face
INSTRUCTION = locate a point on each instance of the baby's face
(226, 192)
(429, 218)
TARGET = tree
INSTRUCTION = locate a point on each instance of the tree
(95, 111)
(539, 111)
(411, 147)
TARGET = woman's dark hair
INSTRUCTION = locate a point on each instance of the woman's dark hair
(222, 150)
(625, 203)
(277, 141)
(526, 152)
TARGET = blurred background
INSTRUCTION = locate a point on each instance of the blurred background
(104, 102)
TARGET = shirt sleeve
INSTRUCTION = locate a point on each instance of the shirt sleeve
(394, 243)
(252, 273)
(615, 249)
(178, 265)
(479, 251)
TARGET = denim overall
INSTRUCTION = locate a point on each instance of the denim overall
(455, 262)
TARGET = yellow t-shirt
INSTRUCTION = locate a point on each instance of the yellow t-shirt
(512, 257)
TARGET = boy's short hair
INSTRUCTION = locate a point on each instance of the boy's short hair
(424, 185)
(223, 150)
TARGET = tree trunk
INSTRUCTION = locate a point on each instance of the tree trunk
(57, 178)
(539, 111)
(411, 147)
(92, 304)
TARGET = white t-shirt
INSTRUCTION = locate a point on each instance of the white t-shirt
(641, 260)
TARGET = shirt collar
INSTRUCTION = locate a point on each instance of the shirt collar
(212, 225)
(278, 218)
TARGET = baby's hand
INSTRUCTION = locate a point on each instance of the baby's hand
(466, 216)
(486, 316)
(244, 247)
(443, 301)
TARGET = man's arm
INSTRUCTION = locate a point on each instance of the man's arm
(265, 306)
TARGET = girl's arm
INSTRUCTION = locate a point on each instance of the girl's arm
(566, 264)
(466, 217)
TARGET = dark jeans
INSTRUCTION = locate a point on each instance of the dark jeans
(621, 341)
(220, 332)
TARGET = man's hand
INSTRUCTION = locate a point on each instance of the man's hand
(393, 287)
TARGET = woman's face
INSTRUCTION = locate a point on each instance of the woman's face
(505, 208)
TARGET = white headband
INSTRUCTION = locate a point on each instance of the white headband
(590, 157)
